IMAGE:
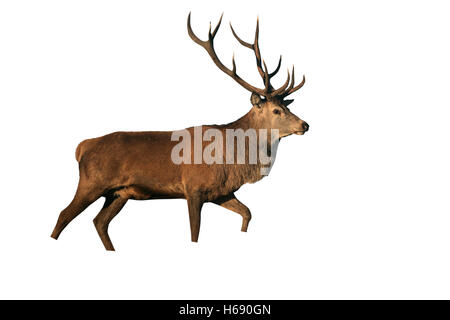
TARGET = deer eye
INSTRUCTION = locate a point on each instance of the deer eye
(276, 111)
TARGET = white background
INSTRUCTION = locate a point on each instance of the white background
(356, 208)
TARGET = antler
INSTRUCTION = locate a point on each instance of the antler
(291, 88)
(255, 47)
(209, 47)
(268, 90)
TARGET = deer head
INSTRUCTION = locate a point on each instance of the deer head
(270, 108)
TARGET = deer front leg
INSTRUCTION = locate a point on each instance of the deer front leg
(195, 204)
(232, 203)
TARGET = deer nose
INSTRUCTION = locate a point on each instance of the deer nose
(305, 126)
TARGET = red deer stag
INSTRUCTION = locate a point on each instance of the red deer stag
(139, 165)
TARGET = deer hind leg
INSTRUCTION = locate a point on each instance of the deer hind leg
(113, 204)
(82, 199)
(195, 207)
(232, 203)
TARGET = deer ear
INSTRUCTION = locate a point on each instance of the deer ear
(287, 102)
(255, 99)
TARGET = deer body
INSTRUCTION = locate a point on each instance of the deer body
(139, 165)
(140, 162)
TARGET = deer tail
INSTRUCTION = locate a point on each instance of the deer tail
(80, 150)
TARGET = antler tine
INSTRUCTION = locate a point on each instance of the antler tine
(256, 45)
(292, 81)
(242, 42)
(298, 86)
(234, 64)
(192, 34)
(266, 78)
(216, 28)
(282, 89)
(276, 69)
(291, 88)
(209, 47)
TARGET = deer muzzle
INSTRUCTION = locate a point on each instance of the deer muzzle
(305, 127)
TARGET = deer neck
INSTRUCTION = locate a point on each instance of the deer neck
(250, 173)
(247, 121)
